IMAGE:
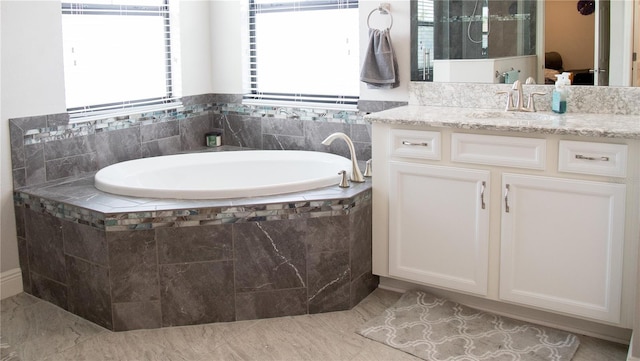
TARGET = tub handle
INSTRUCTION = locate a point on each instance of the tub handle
(344, 182)
(367, 170)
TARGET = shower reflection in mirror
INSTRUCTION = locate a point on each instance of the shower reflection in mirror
(447, 34)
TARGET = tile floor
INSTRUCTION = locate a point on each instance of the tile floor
(37, 330)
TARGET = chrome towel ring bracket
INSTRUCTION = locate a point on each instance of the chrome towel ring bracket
(384, 9)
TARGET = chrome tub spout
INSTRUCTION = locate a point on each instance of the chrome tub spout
(356, 174)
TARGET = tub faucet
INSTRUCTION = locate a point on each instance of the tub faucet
(356, 174)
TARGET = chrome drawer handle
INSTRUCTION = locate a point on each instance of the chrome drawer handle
(423, 144)
(580, 156)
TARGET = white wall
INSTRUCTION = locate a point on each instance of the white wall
(226, 46)
(195, 47)
(401, 41)
(32, 84)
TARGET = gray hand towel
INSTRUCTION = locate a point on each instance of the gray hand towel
(380, 67)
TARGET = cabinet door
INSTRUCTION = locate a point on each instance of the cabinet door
(562, 243)
(439, 226)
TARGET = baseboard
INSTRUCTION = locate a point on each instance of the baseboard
(630, 356)
(10, 283)
(566, 323)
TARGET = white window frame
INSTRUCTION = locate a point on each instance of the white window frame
(171, 99)
(251, 93)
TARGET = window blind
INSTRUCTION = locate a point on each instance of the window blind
(303, 51)
(117, 57)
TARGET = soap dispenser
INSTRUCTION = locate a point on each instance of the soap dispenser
(559, 98)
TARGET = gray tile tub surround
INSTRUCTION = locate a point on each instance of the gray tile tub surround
(42, 151)
(173, 275)
(47, 147)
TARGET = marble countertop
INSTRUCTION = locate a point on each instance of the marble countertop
(579, 124)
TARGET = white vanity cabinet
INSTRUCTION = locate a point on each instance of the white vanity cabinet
(439, 225)
(536, 221)
(562, 245)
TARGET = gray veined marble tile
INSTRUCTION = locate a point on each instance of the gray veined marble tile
(136, 315)
(327, 234)
(316, 132)
(34, 164)
(329, 281)
(44, 240)
(196, 293)
(70, 166)
(291, 127)
(117, 146)
(89, 293)
(269, 255)
(49, 290)
(85, 242)
(28, 123)
(69, 147)
(17, 146)
(134, 266)
(158, 147)
(192, 244)
(243, 132)
(268, 304)
(192, 132)
(361, 133)
(19, 178)
(157, 131)
(282, 142)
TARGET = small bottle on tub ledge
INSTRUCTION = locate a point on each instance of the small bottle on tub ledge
(213, 139)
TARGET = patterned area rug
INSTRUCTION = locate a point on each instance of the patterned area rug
(436, 329)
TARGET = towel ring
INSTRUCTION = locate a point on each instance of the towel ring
(382, 10)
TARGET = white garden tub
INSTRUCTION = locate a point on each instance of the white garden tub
(217, 175)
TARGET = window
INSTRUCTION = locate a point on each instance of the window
(305, 51)
(117, 56)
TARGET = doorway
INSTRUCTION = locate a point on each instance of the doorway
(569, 42)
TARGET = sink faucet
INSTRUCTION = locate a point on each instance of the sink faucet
(356, 175)
(519, 106)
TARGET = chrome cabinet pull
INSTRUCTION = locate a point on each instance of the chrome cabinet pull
(580, 156)
(506, 199)
(423, 144)
(482, 195)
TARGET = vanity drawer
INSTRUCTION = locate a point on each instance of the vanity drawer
(415, 144)
(498, 150)
(592, 158)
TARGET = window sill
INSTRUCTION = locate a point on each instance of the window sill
(306, 105)
(112, 113)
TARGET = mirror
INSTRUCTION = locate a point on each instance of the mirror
(499, 41)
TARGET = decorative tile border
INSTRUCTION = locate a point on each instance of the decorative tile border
(59, 209)
(193, 217)
(65, 131)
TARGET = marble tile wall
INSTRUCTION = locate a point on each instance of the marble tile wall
(48, 147)
(173, 276)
